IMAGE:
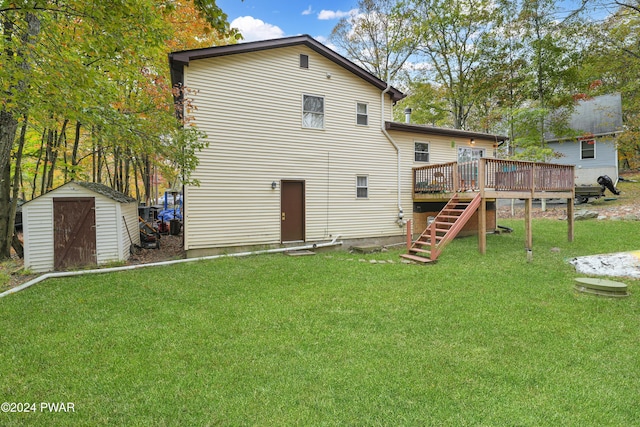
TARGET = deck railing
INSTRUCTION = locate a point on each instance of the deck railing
(495, 174)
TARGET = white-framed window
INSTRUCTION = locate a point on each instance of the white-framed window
(362, 186)
(421, 152)
(313, 111)
(587, 149)
(362, 114)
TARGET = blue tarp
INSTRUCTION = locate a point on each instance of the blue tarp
(167, 215)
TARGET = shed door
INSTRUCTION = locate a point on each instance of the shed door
(292, 211)
(74, 235)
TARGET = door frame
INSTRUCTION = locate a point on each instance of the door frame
(302, 210)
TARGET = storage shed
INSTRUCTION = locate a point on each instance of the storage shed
(78, 224)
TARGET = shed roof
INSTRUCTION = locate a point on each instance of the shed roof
(106, 191)
(99, 189)
(178, 60)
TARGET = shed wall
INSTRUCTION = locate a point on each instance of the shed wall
(38, 228)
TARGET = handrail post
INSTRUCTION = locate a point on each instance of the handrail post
(482, 167)
(532, 179)
(409, 235)
(455, 177)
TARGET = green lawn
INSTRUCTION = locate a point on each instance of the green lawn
(329, 340)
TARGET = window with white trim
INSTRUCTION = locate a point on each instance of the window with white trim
(362, 114)
(421, 152)
(362, 186)
(587, 149)
(313, 112)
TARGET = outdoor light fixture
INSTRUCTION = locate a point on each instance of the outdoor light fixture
(273, 185)
(472, 141)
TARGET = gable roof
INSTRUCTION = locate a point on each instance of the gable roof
(594, 117)
(433, 130)
(106, 191)
(96, 188)
(178, 60)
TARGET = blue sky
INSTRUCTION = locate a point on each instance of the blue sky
(269, 19)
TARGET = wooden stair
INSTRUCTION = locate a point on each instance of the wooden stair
(444, 228)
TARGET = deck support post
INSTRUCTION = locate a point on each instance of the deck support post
(482, 226)
(528, 207)
(482, 209)
(570, 219)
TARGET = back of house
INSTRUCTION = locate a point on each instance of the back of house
(302, 148)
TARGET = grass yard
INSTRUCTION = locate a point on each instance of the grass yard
(329, 340)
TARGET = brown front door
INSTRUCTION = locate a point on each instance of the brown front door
(74, 235)
(292, 211)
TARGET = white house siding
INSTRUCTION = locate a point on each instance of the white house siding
(250, 106)
(38, 228)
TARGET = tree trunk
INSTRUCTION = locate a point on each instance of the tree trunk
(35, 175)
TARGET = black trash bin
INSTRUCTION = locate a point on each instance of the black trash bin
(174, 227)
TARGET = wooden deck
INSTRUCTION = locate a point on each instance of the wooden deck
(494, 179)
(497, 179)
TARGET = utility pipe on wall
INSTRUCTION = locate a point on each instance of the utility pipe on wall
(400, 220)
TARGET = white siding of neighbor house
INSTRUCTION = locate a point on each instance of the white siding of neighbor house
(38, 227)
(250, 106)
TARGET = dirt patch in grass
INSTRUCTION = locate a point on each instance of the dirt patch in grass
(624, 206)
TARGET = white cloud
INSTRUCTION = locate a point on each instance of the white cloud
(307, 11)
(325, 15)
(253, 29)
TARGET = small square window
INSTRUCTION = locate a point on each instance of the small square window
(304, 61)
(588, 149)
(362, 187)
(362, 114)
(313, 112)
(422, 152)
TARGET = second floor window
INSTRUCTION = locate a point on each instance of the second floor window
(362, 114)
(313, 112)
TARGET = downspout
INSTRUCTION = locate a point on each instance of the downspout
(401, 222)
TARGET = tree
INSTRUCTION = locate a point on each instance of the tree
(90, 78)
(427, 102)
(456, 38)
(613, 65)
(376, 37)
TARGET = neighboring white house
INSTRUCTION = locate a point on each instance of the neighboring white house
(78, 224)
(595, 151)
(301, 147)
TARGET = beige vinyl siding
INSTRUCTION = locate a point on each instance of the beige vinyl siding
(250, 106)
(440, 151)
(38, 227)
